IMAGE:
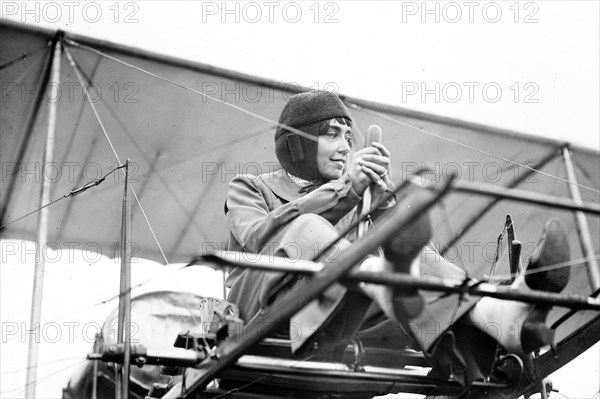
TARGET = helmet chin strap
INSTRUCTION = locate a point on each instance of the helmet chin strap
(295, 147)
(299, 181)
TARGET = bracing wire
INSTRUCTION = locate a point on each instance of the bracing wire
(245, 111)
(100, 180)
(153, 169)
(40, 364)
(20, 390)
(104, 131)
(26, 71)
(104, 302)
(72, 193)
(75, 44)
(23, 57)
(569, 263)
(85, 89)
(427, 132)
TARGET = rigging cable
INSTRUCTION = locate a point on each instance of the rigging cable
(473, 148)
(310, 137)
(569, 263)
(264, 119)
(85, 89)
(21, 390)
(79, 77)
(23, 57)
(72, 193)
(41, 364)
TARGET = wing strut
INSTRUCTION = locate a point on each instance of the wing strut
(582, 224)
(124, 317)
(42, 229)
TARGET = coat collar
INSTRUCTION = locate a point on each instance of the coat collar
(282, 186)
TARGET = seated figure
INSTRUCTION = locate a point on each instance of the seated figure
(296, 211)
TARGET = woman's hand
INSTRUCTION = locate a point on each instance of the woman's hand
(368, 166)
(378, 170)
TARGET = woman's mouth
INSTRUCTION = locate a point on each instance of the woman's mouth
(339, 163)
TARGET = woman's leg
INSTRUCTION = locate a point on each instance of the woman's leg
(520, 327)
(337, 313)
(441, 311)
(304, 238)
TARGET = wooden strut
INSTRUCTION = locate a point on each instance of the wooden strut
(520, 195)
(42, 236)
(295, 300)
(583, 228)
(278, 264)
(490, 205)
(124, 316)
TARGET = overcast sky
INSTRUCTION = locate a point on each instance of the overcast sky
(528, 66)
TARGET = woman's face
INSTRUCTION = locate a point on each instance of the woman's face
(334, 149)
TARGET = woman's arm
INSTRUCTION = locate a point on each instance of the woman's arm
(252, 216)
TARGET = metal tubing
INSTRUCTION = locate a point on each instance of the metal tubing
(487, 207)
(153, 356)
(521, 195)
(583, 228)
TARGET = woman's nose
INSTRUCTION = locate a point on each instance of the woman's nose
(344, 146)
